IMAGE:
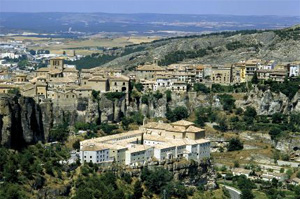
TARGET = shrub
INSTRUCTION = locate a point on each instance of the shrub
(198, 87)
(274, 133)
(114, 95)
(235, 145)
(179, 113)
(168, 95)
(227, 101)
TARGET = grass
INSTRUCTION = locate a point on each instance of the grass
(259, 195)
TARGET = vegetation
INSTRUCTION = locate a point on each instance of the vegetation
(205, 114)
(114, 95)
(288, 87)
(96, 59)
(178, 56)
(235, 145)
(198, 87)
(179, 113)
(227, 101)
(133, 118)
(26, 171)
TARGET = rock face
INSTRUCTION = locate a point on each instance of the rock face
(25, 120)
(22, 121)
(189, 173)
(268, 103)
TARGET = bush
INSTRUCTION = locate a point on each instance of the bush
(145, 99)
(198, 87)
(76, 145)
(158, 95)
(235, 145)
(168, 95)
(156, 180)
(114, 95)
(274, 133)
(178, 113)
(227, 101)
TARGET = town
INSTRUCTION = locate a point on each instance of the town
(155, 140)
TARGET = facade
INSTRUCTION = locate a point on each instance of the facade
(155, 140)
(221, 74)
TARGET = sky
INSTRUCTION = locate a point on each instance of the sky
(234, 7)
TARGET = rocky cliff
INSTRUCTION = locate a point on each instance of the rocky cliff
(268, 103)
(23, 121)
(189, 173)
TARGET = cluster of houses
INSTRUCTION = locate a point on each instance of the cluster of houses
(154, 141)
(59, 81)
(175, 77)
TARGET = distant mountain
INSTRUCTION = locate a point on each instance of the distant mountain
(141, 24)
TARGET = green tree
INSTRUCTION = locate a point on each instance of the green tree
(168, 95)
(156, 180)
(76, 145)
(235, 145)
(198, 87)
(179, 113)
(139, 87)
(247, 194)
(274, 133)
(249, 115)
(227, 101)
(138, 190)
(254, 79)
(277, 118)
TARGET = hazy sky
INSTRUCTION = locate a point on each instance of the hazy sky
(235, 7)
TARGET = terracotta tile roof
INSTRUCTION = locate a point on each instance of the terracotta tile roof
(182, 123)
(44, 69)
(149, 68)
(194, 129)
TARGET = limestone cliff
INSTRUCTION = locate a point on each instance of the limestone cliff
(22, 121)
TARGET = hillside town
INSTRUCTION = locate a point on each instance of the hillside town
(51, 78)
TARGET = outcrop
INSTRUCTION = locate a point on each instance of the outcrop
(25, 120)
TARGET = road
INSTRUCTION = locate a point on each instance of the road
(234, 193)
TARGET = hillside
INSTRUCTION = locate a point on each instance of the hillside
(227, 47)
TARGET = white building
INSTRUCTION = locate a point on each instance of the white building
(155, 140)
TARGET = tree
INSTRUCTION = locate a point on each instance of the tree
(247, 194)
(95, 95)
(235, 145)
(277, 117)
(274, 133)
(15, 91)
(179, 113)
(254, 78)
(168, 95)
(198, 87)
(76, 145)
(59, 133)
(289, 173)
(249, 115)
(227, 101)
(138, 190)
(139, 87)
(156, 180)
(32, 52)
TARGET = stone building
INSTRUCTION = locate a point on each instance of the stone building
(221, 74)
(154, 140)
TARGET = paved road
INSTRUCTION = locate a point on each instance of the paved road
(234, 193)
